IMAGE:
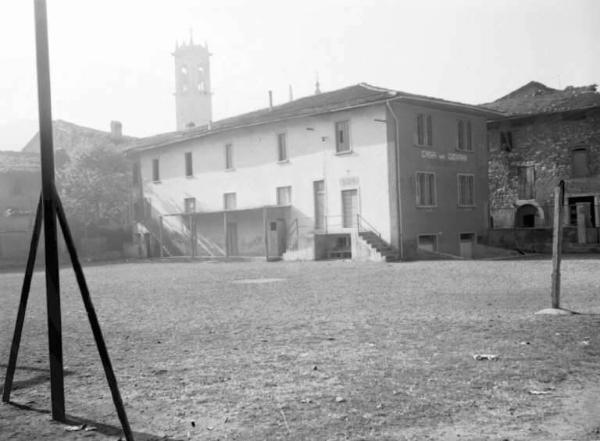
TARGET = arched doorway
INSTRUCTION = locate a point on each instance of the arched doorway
(525, 217)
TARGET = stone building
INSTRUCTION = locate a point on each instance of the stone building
(547, 135)
(362, 172)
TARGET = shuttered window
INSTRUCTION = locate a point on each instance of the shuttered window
(424, 135)
(229, 201)
(580, 163)
(282, 147)
(228, 156)
(284, 195)
(464, 139)
(189, 205)
(349, 208)
(189, 170)
(425, 189)
(342, 138)
(466, 196)
(155, 170)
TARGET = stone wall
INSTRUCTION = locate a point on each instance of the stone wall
(544, 141)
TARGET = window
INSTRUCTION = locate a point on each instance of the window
(526, 182)
(342, 138)
(189, 205)
(466, 190)
(579, 162)
(319, 195)
(189, 169)
(228, 156)
(284, 195)
(424, 135)
(426, 193)
(464, 140)
(155, 170)
(427, 242)
(282, 147)
(229, 201)
(349, 208)
(506, 141)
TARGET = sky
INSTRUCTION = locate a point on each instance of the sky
(111, 59)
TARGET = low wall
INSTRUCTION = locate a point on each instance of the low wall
(538, 240)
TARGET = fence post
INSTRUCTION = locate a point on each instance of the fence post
(557, 239)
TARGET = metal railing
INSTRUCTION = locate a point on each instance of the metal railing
(363, 225)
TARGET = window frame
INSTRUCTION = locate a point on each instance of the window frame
(189, 164)
(346, 132)
(418, 190)
(278, 198)
(185, 205)
(586, 152)
(156, 170)
(423, 136)
(464, 135)
(459, 193)
(282, 147)
(435, 241)
(229, 156)
(233, 196)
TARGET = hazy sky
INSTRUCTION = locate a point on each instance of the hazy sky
(111, 59)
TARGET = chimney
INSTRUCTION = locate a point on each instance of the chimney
(116, 131)
(291, 93)
(270, 100)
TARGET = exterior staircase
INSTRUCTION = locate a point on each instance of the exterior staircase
(376, 242)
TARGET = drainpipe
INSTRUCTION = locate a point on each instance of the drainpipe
(397, 180)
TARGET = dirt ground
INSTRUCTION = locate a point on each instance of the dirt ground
(316, 351)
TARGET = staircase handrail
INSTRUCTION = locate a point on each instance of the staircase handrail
(360, 220)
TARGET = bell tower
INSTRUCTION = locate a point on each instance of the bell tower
(193, 98)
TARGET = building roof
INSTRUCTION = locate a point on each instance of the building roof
(19, 162)
(537, 98)
(72, 137)
(358, 95)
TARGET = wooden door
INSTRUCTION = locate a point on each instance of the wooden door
(349, 208)
(466, 245)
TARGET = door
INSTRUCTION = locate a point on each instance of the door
(349, 208)
(231, 239)
(466, 245)
(276, 238)
(319, 196)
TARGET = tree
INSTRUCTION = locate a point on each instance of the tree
(94, 186)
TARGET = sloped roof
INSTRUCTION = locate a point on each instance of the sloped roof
(358, 95)
(537, 98)
(72, 137)
(19, 161)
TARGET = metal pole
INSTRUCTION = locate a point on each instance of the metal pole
(160, 235)
(225, 234)
(94, 323)
(557, 239)
(49, 204)
(14, 349)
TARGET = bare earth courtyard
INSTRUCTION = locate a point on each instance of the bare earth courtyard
(317, 351)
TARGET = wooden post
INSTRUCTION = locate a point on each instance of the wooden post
(225, 234)
(160, 235)
(557, 239)
(266, 232)
(49, 213)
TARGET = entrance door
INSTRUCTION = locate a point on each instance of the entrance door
(232, 239)
(349, 208)
(148, 244)
(276, 238)
(319, 196)
(466, 245)
(590, 215)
